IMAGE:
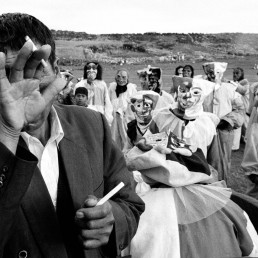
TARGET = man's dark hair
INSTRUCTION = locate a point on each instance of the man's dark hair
(81, 90)
(177, 69)
(15, 26)
(191, 68)
(99, 69)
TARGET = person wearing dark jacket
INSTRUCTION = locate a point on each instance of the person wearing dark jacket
(56, 161)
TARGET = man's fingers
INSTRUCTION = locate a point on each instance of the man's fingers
(94, 224)
(17, 70)
(90, 244)
(92, 213)
(95, 238)
(97, 233)
(2, 65)
(90, 201)
(49, 91)
(39, 73)
(34, 61)
(4, 83)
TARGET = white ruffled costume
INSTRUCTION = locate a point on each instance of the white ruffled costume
(186, 215)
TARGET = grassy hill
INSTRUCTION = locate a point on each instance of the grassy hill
(75, 47)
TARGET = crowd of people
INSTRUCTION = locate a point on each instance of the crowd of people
(65, 145)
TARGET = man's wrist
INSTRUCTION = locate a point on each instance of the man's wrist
(9, 137)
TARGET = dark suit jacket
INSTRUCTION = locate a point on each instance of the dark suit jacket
(93, 165)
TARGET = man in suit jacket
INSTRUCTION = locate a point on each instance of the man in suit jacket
(56, 161)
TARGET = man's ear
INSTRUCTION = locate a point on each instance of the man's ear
(56, 67)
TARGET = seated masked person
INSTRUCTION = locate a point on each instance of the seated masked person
(151, 79)
(184, 119)
(120, 92)
(227, 104)
(142, 105)
(186, 215)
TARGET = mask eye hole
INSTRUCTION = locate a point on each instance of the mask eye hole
(147, 105)
(182, 90)
(196, 92)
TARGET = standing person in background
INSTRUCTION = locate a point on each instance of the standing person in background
(66, 95)
(153, 81)
(143, 78)
(97, 89)
(253, 92)
(250, 158)
(188, 71)
(227, 104)
(81, 97)
(56, 161)
(179, 71)
(120, 93)
(242, 87)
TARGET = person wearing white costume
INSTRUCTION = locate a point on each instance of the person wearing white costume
(185, 215)
(142, 105)
(120, 92)
(151, 79)
(97, 89)
(243, 87)
(227, 104)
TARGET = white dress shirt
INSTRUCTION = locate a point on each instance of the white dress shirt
(48, 155)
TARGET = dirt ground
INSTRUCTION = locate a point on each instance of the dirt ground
(237, 179)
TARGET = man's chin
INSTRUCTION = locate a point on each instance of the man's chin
(81, 104)
(32, 127)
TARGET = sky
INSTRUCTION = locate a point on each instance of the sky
(141, 16)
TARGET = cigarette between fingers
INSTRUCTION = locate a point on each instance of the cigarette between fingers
(34, 48)
(110, 194)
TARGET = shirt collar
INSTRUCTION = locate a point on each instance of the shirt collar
(56, 133)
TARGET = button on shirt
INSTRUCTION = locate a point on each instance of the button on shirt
(48, 155)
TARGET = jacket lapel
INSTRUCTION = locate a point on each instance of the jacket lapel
(40, 212)
(37, 204)
(75, 160)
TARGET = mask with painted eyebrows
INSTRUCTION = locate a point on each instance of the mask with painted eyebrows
(142, 109)
(188, 95)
